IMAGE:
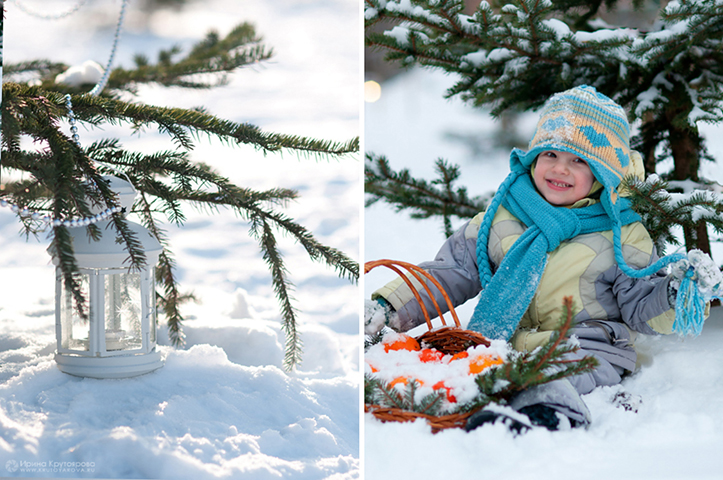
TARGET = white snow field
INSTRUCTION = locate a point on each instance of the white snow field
(222, 407)
(678, 430)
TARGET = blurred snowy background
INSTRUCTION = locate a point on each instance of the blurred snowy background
(222, 407)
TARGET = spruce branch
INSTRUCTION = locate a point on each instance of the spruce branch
(513, 55)
(39, 68)
(545, 364)
(424, 199)
(214, 55)
(206, 65)
(282, 288)
(66, 181)
(171, 300)
(380, 393)
(372, 386)
(69, 196)
(661, 210)
(183, 126)
(370, 340)
(62, 249)
(203, 187)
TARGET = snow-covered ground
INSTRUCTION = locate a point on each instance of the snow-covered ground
(678, 430)
(222, 407)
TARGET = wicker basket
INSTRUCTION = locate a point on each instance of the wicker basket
(442, 422)
(446, 339)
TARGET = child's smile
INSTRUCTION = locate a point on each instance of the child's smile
(558, 186)
(562, 178)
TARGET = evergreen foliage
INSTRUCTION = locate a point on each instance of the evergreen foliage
(378, 392)
(542, 365)
(513, 55)
(63, 179)
(424, 199)
(659, 209)
(214, 55)
(370, 340)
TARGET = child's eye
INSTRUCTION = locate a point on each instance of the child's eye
(579, 160)
(550, 154)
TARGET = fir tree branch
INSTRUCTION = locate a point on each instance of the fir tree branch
(524, 370)
(70, 196)
(171, 301)
(39, 68)
(378, 392)
(282, 288)
(183, 125)
(206, 65)
(180, 124)
(66, 183)
(669, 77)
(424, 199)
(660, 210)
(214, 55)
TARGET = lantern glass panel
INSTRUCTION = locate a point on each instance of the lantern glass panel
(151, 299)
(74, 330)
(123, 311)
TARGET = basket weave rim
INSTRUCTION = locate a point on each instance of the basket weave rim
(415, 271)
(438, 423)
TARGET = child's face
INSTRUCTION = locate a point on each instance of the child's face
(562, 178)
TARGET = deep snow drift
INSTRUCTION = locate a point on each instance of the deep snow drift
(222, 407)
(678, 430)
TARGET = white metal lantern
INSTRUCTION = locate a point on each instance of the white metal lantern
(119, 338)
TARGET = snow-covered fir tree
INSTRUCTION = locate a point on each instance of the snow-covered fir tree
(666, 70)
(54, 180)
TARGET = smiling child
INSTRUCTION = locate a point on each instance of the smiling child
(558, 226)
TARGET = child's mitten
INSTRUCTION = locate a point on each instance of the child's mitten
(701, 269)
(378, 314)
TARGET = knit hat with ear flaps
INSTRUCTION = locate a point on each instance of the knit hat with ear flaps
(589, 125)
(586, 123)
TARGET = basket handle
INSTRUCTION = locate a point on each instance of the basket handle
(415, 271)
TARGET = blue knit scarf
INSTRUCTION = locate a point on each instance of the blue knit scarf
(507, 294)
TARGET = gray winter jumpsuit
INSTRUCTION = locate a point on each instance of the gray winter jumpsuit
(613, 306)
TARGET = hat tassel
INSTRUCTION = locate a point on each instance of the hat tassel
(689, 307)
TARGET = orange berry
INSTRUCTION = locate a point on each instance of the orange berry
(427, 355)
(403, 342)
(440, 385)
(404, 381)
(481, 362)
(460, 355)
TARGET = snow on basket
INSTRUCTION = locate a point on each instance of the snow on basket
(438, 365)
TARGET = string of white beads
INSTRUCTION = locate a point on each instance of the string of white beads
(106, 74)
(68, 222)
(71, 120)
(56, 222)
(50, 16)
(24, 212)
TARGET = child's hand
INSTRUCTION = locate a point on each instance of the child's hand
(377, 314)
(704, 272)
